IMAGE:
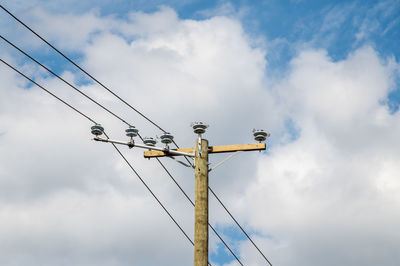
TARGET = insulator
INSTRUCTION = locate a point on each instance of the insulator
(166, 138)
(131, 131)
(149, 141)
(260, 135)
(199, 127)
(97, 130)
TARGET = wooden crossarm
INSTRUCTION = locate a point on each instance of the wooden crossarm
(238, 147)
(212, 149)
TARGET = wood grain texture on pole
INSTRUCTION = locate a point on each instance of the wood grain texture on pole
(201, 205)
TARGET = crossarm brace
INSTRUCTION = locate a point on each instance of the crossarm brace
(224, 160)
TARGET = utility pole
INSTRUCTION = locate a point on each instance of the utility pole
(201, 166)
(201, 183)
(201, 203)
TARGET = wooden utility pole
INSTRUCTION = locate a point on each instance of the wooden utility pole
(202, 150)
(201, 206)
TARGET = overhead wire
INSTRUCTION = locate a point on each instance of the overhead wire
(80, 68)
(190, 200)
(49, 92)
(89, 75)
(119, 152)
(62, 79)
(137, 111)
(94, 101)
(241, 228)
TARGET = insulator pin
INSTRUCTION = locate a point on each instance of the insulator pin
(199, 127)
(131, 131)
(260, 135)
(166, 138)
(97, 130)
(149, 141)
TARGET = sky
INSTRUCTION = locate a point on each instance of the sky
(323, 77)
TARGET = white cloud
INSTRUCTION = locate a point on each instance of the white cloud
(177, 71)
(329, 196)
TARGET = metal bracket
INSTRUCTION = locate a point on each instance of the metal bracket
(199, 143)
(224, 160)
(131, 144)
(185, 164)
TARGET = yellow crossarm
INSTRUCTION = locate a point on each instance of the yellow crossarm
(212, 149)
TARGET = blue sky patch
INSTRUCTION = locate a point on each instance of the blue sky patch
(232, 235)
(292, 130)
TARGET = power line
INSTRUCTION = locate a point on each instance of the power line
(49, 92)
(188, 198)
(237, 223)
(89, 75)
(91, 120)
(80, 68)
(137, 111)
(94, 101)
(148, 188)
(66, 82)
